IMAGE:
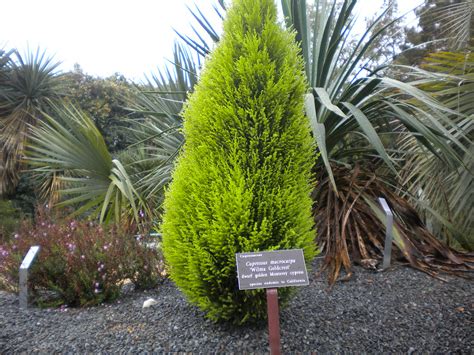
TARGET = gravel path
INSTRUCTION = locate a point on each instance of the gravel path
(401, 310)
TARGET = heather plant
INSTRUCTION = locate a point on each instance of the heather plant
(80, 263)
(243, 180)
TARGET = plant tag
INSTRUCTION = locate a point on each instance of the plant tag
(271, 269)
(30, 256)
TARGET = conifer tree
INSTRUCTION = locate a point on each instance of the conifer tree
(243, 180)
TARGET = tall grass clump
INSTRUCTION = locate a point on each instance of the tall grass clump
(243, 180)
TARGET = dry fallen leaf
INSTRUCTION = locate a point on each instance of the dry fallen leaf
(370, 264)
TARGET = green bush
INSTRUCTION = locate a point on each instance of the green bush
(80, 263)
(9, 219)
(243, 181)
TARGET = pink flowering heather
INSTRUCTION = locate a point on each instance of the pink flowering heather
(82, 262)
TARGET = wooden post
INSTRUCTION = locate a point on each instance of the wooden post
(273, 321)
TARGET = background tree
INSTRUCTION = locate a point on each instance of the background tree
(105, 100)
(388, 44)
(442, 25)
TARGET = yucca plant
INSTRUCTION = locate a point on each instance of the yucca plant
(28, 83)
(359, 120)
(242, 181)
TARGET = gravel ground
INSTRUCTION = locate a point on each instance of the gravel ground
(400, 310)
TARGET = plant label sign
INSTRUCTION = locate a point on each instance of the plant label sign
(271, 269)
(30, 256)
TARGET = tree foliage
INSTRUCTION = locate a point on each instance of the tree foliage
(242, 182)
(388, 44)
(105, 100)
(442, 25)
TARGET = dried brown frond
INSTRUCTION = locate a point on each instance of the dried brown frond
(351, 228)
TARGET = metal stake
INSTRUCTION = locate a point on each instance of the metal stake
(25, 265)
(388, 233)
(273, 321)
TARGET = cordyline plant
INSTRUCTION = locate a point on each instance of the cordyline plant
(243, 180)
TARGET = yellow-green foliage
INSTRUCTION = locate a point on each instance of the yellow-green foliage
(243, 181)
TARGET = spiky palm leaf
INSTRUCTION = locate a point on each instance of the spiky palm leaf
(158, 134)
(68, 146)
(5, 68)
(27, 86)
(447, 195)
(202, 44)
(5, 58)
(457, 22)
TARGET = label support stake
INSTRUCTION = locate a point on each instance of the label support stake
(24, 268)
(388, 233)
(273, 321)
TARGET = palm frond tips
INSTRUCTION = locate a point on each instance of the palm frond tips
(158, 137)
(205, 33)
(445, 192)
(453, 21)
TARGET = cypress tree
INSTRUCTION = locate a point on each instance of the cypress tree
(243, 180)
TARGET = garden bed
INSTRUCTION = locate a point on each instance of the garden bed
(401, 310)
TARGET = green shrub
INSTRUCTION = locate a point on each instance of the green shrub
(243, 181)
(80, 263)
(9, 219)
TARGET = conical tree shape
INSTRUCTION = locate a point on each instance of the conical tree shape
(243, 180)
